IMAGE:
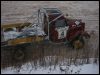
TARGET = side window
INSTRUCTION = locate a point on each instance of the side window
(60, 23)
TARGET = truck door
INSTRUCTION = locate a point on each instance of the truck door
(61, 27)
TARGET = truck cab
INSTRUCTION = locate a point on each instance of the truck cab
(57, 26)
(61, 29)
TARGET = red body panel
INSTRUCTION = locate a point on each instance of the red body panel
(74, 29)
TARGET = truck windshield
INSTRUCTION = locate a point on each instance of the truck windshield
(60, 23)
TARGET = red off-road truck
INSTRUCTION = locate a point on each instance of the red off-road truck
(61, 29)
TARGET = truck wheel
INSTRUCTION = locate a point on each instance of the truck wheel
(19, 54)
(78, 43)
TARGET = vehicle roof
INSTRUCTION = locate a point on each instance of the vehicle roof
(51, 11)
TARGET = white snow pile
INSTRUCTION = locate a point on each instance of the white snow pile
(28, 68)
(11, 34)
(34, 30)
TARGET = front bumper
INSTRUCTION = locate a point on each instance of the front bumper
(86, 35)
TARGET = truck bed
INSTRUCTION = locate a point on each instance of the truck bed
(10, 32)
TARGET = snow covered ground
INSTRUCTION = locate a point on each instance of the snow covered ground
(92, 68)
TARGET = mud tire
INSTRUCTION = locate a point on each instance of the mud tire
(77, 42)
(19, 54)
